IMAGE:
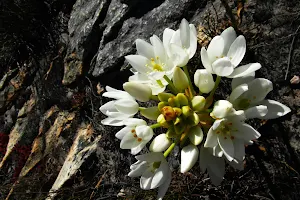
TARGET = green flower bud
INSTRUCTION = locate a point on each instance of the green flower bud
(193, 119)
(182, 99)
(139, 91)
(161, 105)
(180, 79)
(178, 120)
(195, 135)
(186, 111)
(150, 113)
(171, 102)
(164, 96)
(162, 121)
(179, 128)
(198, 103)
(171, 132)
(177, 111)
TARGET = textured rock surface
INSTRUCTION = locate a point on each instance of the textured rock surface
(79, 47)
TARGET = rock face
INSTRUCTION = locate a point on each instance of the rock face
(79, 47)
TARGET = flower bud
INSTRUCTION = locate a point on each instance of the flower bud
(160, 143)
(204, 80)
(171, 132)
(179, 128)
(182, 99)
(195, 135)
(189, 157)
(164, 96)
(186, 111)
(139, 91)
(180, 79)
(193, 119)
(177, 111)
(162, 121)
(198, 103)
(161, 105)
(150, 113)
(177, 120)
(221, 109)
(168, 113)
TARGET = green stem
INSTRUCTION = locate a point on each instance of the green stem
(215, 87)
(168, 151)
(230, 14)
(191, 87)
(171, 85)
(153, 126)
(155, 98)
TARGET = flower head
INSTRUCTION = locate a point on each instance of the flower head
(224, 54)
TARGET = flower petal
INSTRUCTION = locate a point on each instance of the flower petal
(195, 135)
(211, 139)
(216, 170)
(108, 107)
(184, 33)
(204, 80)
(237, 92)
(139, 91)
(226, 145)
(176, 38)
(229, 36)
(241, 80)
(159, 50)
(146, 179)
(215, 48)
(189, 157)
(179, 56)
(258, 90)
(239, 149)
(167, 36)
(144, 132)
(137, 169)
(134, 122)
(163, 188)
(160, 143)
(275, 109)
(151, 157)
(161, 175)
(222, 67)
(121, 133)
(112, 122)
(205, 60)
(256, 112)
(116, 94)
(245, 132)
(193, 41)
(244, 70)
(237, 50)
(128, 142)
(127, 106)
(144, 49)
(221, 109)
(138, 62)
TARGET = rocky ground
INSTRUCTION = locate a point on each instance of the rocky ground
(57, 56)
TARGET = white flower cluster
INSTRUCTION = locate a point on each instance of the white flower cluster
(211, 131)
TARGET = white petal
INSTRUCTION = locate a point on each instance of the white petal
(144, 132)
(176, 38)
(211, 139)
(204, 80)
(138, 63)
(256, 112)
(151, 157)
(184, 33)
(217, 151)
(137, 169)
(135, 150)
(221, 109)
(128, 142)
(134, 122)
(108, 107)
(193, 41)
(215, 48)
(275, 109)
(216, 170)
(146, 179)
(226, 145)
(244, 70)
(189, 157)
(222, 67)
(160, 143)
(116, 94)
(156, 89)
(241, 80)
(195, 135)
(121, 133)
(138, 77)
(179, 56)
(237, 92)
(144, 49)
(239, 148)
(203, 158)
(167, 36)
(237, 50)
(112, 122)
(161, 175)
(258, 90)
(237, 164)
(127, 106)
(229, 36)
(159, 50)
(163, 188)
(205, 60)
(245, 132)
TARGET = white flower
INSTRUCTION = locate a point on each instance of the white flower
(152, 59)
(185, 38)
(189, 157)
(224, 54)
(204, 80)
(154, 171)
(229, 131)
(123, 107)
(141, 92)
(160, 143)
(250, 96)
(215, 166)
(135, 135)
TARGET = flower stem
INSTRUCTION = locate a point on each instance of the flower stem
(153, 126)
(191, 87)
(171, 85)
(168, 151)
(155, 98)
